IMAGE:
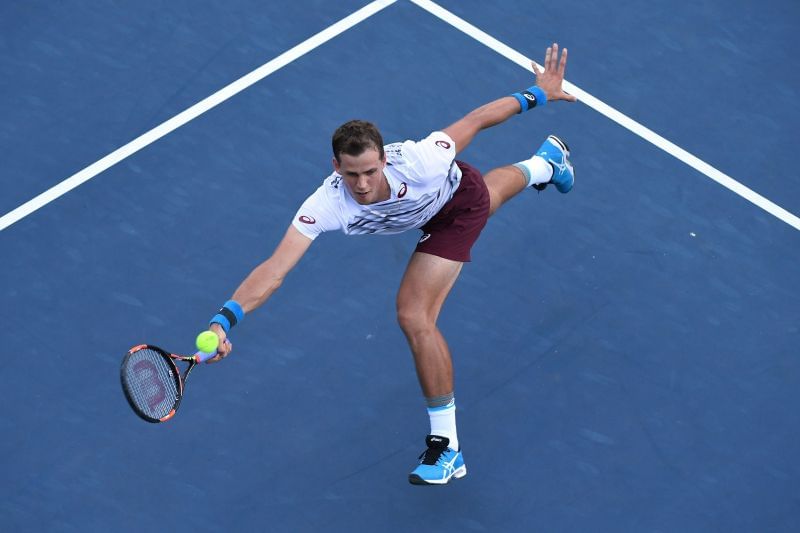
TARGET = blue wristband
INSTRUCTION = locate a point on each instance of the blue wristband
(229, 315)
(530, 98)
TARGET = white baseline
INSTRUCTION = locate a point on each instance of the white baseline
(623, 120)
(193, 112)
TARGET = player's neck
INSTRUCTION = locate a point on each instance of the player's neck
(386, 193)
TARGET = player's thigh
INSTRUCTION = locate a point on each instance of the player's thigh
(426, 283)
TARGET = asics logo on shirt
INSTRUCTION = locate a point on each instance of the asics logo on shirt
(443, 144)
(403, 190)
(307, 220)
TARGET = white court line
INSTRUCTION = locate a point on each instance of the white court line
(623, 120)
(332, 31)
(193, 112)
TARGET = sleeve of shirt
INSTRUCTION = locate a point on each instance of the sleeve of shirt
(317, 214)
(432, 156)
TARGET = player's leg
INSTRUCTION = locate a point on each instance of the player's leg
(504, 183)
(445, 246)
(425, 286)
(550, 164)
(426, 283)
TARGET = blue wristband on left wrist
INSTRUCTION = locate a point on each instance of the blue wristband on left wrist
(530, 98)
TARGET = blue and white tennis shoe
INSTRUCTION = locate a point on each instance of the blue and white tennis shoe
(438, 463)
(556, 152)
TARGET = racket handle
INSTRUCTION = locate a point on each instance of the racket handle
(202, 357)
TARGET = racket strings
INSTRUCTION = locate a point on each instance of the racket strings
(151, 383)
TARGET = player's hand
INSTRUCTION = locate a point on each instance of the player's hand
(551, 79)
(225, 347)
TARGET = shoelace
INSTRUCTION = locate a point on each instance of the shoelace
(431, 456)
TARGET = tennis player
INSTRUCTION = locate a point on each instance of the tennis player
(417, 185)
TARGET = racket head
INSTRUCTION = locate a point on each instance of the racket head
(151, 382)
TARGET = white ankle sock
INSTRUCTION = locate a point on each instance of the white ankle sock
(536, 170)
(443, 422)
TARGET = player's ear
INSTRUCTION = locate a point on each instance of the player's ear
(335, 164)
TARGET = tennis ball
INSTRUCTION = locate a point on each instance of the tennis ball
(207, 342)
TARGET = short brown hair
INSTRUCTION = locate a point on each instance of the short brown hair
(356, 137)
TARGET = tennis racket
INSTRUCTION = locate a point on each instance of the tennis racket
(152, 383)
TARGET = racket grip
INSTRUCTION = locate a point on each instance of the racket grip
(202, 357)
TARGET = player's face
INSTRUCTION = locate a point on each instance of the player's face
(363, 176)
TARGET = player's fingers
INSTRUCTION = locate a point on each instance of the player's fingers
(222, 352)
(217, 358)
(562, 66)
(547, 58)
(554, 58)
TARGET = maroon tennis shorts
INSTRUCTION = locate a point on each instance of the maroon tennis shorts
(455, 228)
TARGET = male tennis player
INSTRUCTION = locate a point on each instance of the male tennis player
(409, 185)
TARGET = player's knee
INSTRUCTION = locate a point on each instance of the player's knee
(413, 321)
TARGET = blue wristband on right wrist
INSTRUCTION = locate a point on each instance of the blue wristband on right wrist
(229, 315)
(530, 98)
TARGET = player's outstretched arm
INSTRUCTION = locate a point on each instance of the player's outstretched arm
(549, 82)
(264, 280)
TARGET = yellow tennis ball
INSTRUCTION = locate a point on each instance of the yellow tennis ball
(207, 342)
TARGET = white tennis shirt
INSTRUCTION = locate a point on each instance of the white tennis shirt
(423, 176)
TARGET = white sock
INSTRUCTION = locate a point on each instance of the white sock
(443, 422)
(536, 170)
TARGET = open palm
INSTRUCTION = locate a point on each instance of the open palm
(551, 79)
